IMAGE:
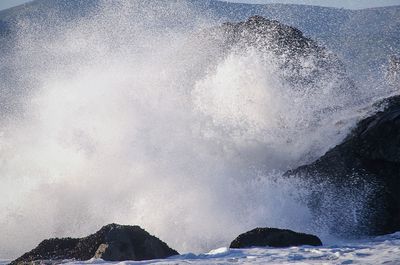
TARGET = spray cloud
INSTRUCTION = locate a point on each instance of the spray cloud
(120, 116)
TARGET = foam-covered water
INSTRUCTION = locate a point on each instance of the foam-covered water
(379, 250)
(371, 251)
(122, 116)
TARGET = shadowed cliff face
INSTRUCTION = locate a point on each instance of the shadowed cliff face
(368, 161)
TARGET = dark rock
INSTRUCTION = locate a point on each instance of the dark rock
(368, 161)
(273, 237)
(299, 64)
(112, 243)
(290, 47)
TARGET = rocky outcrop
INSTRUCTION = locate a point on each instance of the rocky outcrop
(273, 237)
(307, 78)
(111, 243)
(368, 160)
(302, 61)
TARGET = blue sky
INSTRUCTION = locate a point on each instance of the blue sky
(354, 4)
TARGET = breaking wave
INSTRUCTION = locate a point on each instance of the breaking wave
(121, 115)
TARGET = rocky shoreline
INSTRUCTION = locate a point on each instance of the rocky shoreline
(115, 242)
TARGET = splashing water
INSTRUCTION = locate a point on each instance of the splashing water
(119, 116)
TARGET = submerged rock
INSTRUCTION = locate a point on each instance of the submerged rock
(112, 242)
(273, 237)
(367, 161)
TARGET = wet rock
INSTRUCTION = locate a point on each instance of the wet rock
(289, 46)
(273, 237)
(367, 161)
(112, 242)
